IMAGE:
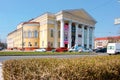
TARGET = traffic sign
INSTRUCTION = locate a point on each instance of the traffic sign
(117, 21)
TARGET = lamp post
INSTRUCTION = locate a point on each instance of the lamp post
(22, 38)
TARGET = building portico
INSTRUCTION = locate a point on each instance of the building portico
(80, 28)
(76, 34)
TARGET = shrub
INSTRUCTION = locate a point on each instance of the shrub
(86, 68)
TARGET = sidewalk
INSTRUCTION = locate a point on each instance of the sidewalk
(1, 76)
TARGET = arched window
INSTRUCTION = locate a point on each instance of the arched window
(29, 34)
(35, 33)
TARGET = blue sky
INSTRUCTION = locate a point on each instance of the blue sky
(13, 12)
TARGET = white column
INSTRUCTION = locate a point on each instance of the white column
(56, 35)
(88, 37)
(61, 33)
(69, 35)
(82, 35)
(93, 38)
(76, 35)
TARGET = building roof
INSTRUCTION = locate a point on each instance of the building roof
(13, 31)
(108, 38)
(102, 38)
(46, 13)
(30, 23)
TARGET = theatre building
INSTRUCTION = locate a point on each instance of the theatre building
(63, 29)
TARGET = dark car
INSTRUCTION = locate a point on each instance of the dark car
(1, 48)
(61, 49)
(101, 50)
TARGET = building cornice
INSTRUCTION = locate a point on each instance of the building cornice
(14, 31)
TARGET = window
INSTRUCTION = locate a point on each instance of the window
(29, 34)
(85, 45)
(99, 43)
(90, 46)
(58, 34)
(42, 43)
(48, 44)
(24, 34)
(79, 35)
(111, 47)
(51, 32)
(58, 44)
(51, 44)
(35, 34)
(35, 43)
(79, 26)
(29, 44)
(23, 43)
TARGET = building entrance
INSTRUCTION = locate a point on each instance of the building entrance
(66, 45)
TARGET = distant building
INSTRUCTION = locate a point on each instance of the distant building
(103, 41)
(63, 29)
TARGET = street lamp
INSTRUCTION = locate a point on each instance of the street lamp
(22, 37)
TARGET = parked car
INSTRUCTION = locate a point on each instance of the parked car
(101, 50)
(85, 50)
(1, 48)
(61, 49)
(75, 48)
(40, 50)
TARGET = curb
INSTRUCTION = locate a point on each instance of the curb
(1, 75)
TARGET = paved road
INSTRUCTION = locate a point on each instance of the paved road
(3, 58)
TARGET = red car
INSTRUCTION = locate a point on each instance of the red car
(61, 49)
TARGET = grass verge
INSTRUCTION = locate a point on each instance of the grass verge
(39, 53)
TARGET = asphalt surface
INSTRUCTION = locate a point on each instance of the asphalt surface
(4, 58)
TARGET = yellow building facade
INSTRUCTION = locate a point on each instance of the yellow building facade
(63, 29)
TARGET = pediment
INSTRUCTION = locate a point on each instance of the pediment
(80, 13)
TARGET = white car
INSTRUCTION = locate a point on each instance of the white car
(40, 50)
(85, 50)
(71, 49)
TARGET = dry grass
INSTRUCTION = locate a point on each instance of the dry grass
(87, 68)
